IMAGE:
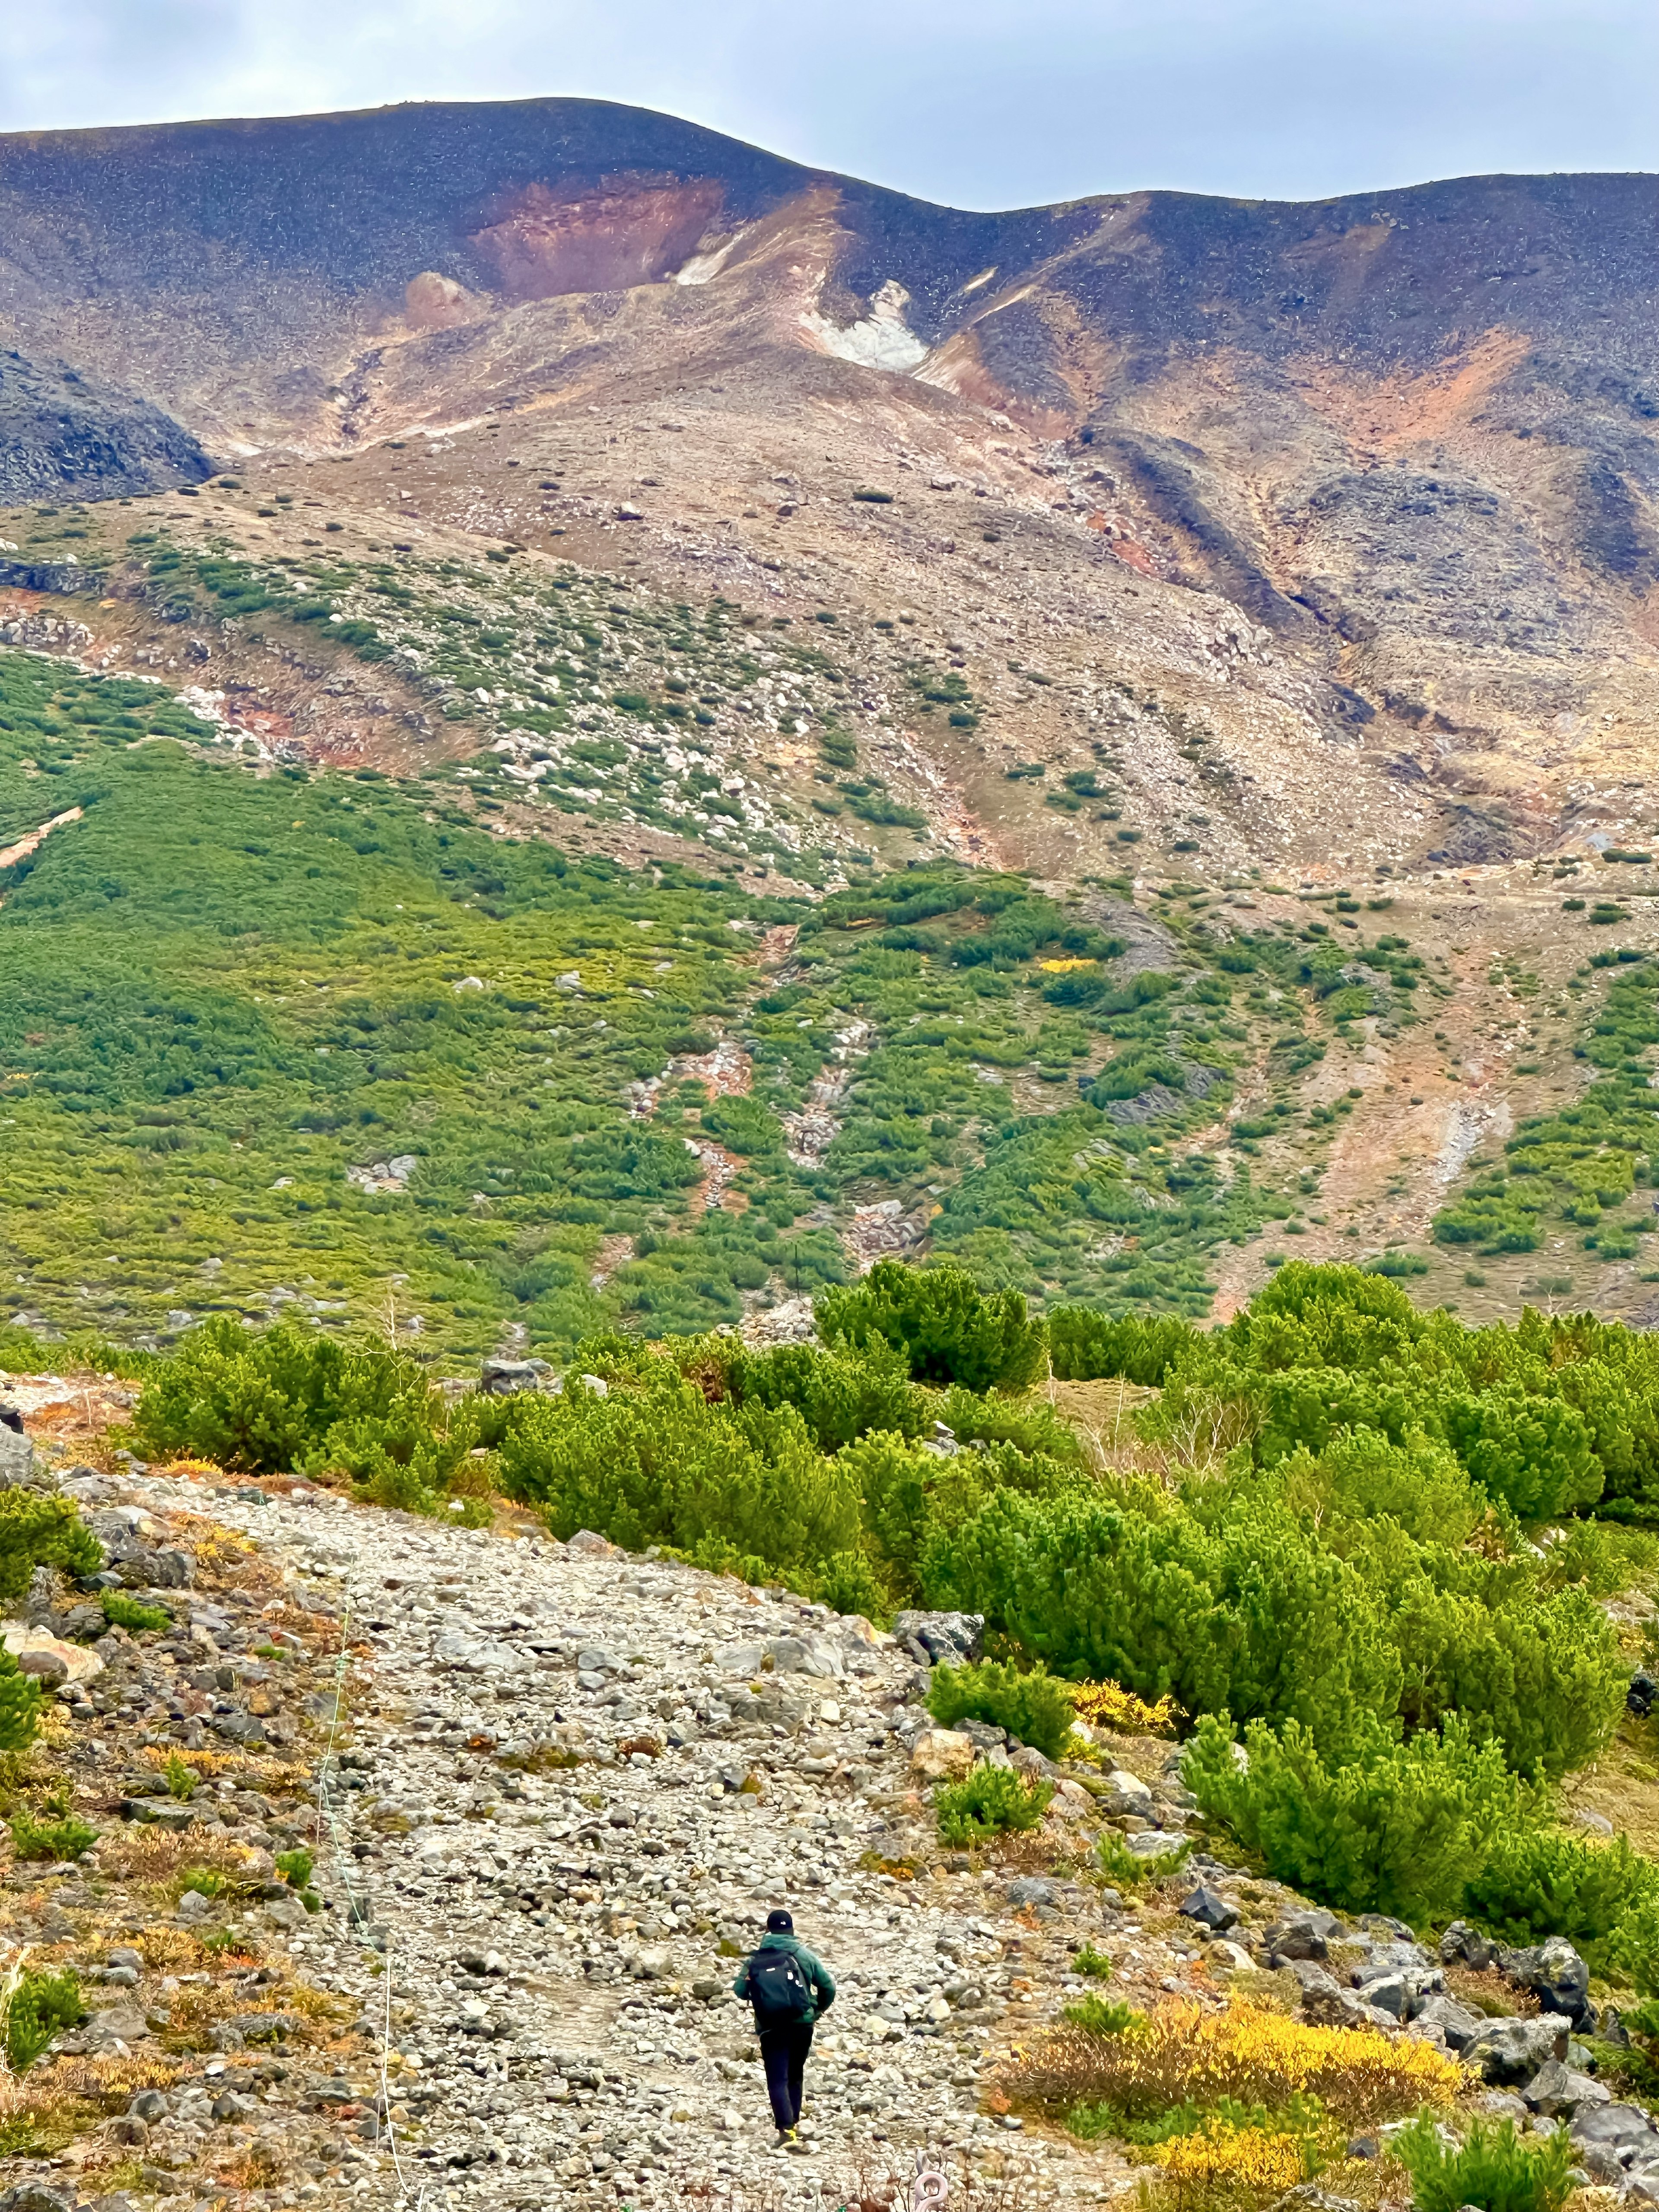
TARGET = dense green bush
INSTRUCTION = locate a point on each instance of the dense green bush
(1538, 1882)
(1033, 1708)
(937, 1317)
(291, 1400)
(1391, 1828)
(991, 1800)
(1084, 1344)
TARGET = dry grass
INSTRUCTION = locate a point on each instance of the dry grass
(46, 2108)
(154, 1857)
(1185, 2054)
(1489, 1993)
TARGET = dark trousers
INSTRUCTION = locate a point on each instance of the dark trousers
(783, 2054)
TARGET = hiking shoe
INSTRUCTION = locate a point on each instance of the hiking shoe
(787, 2136)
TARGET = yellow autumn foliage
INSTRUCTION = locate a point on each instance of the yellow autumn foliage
(1217, 2156)
(1107, 1704)
(1182, 2053)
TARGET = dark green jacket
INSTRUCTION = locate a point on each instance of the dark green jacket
(820, 1988)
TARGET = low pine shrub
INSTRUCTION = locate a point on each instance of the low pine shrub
(1394, 1828)
(1128, 1869)
(63, 1839)
(1099, 2015)
(1095, 1964)
(1492, 2168)
(992, 1800)
(947, 1328)
(1220, 2162)
(123, 1611)
(1033, 1708)
(1538, 1883)
(34, 2007)
(180, 1780)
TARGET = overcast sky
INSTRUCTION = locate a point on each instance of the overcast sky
(982, 105)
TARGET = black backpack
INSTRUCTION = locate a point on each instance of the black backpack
(777, 1989)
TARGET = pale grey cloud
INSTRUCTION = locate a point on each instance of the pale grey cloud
(962, 100)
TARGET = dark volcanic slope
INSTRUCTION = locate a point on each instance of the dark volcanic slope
(65, 435)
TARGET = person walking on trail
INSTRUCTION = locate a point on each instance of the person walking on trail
(789, 1988)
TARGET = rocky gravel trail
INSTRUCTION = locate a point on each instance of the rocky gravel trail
(566, 1787)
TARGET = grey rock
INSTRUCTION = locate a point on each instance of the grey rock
(1557, 1977)
(1029, 1889)
(287, 1912)
(1464, 1944)
(956, 1637)
(1624, 2131)
(1303, 1935)
(17, 1463)
(1209, 1909)
(35, 2197)
(130, 2129)
(149, 2105)
(1336, 2007)
(1508, 2052)
(505, 1378)
(1308, 2196)
(1555, 2089)
(1155, 1843)
(193, 1905)
(1455, 2022)
(158, 1812)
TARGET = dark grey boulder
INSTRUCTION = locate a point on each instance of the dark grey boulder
(1304, 1934)
(1557, 1977)
(954, 1637)
(1507, 2052)
(1556, 2090)
(1209, 1909)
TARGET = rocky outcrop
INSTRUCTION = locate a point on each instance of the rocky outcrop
(64, 434)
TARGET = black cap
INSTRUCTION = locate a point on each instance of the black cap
(779, 1924)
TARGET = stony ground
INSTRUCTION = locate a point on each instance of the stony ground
(565, 1787)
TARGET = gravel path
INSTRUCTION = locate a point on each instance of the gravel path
(569, 1786)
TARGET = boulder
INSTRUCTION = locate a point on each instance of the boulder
(956, 1637)
(1556, 2089)
(16, 1452)
(1557, 1977)
(1308, 2196)
(50, 1658)
(1303, 1936)
(1029, 1889)
(1622, 2132)
(1462, 1944)
(586, 1544)
(1335, 2006)
(506, 1378)
(1455, 2022)
(942, 1755)
(1209, 1909)
(1507, 2052)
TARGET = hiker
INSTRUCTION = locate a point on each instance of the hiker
(788, 1988)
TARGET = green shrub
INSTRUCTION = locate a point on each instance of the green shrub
(1086, 1344)
(295, 1867)
(35, 1531)
(1099, 2015)
(1491, 2168)
(1394, 1827)
(991, 1800)
(1033, 1708)
(124, 1612)
(180, 1780)
(1128, 1869)
(947, 1329)
(1243, 1611)
(1095, 1964)
(1538, 1883)
(38, 2006)
(290, 1399)
(63, 1839)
